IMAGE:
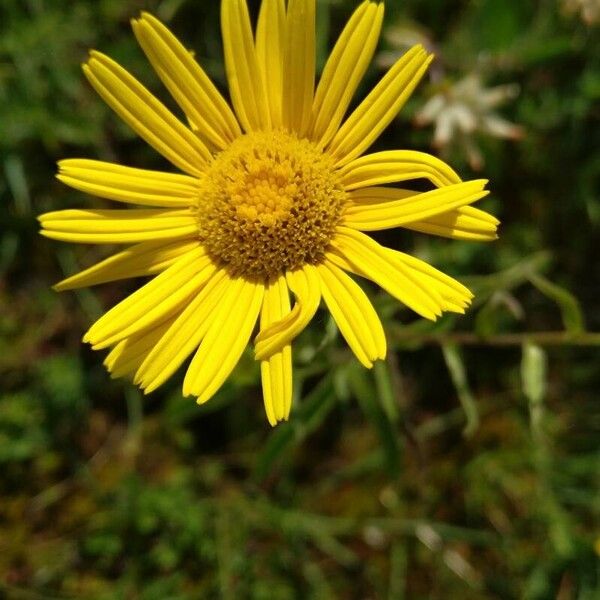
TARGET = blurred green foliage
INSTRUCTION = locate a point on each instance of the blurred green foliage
(466, 466)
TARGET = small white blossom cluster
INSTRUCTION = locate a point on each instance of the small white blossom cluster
(465, 109)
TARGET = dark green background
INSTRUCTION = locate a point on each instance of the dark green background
(464, 467)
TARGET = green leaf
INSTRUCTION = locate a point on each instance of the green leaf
(385, 389)
(457, 370)
(17, 182)
(310, 414)
(507, 279)
(533, 372)
(570, 309)
(369, 400)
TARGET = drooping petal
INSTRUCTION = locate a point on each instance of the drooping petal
(117, 226)
(393, 166)
(276, 372)
(141, 260)
(125, 184)
(456, 297)
(305, 285)
(383, 208)
(191, 87)
(380, 107)
(299, 66)
(146, 115)
(226, 338)
(129, 353)
(183, 337)
(344, 70)
(270, 44)
(354, 314)
(158, 299)
(246, 84)
(465, 223)
(367, 258)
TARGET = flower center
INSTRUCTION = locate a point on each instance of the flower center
(268, 204)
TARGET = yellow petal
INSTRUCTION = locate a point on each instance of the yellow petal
(465, 223)
(184, 335)
(419, 285)
(369, 259)
(393, 166)
(378, 109)
(162, 296)
(305, 285)
(118, 226)
(270, 44)
(384, 208)
(227, 337)
(455, 296)
(188, 83)
(246, 84)
(129, 353)
(146, 115)
(276, 372)
(299, 66)
(125, 184)
(147, 258)
(344, 70)
(354, 314)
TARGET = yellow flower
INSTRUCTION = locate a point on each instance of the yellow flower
(275, 197)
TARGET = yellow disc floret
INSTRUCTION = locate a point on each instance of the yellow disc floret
(269, 203)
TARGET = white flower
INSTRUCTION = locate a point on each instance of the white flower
(467, 108)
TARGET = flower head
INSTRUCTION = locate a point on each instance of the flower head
(266, 218)
(465, 109)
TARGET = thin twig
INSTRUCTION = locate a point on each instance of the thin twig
(541, 338)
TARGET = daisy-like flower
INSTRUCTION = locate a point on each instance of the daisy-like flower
(267, 217)
(467, 108)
